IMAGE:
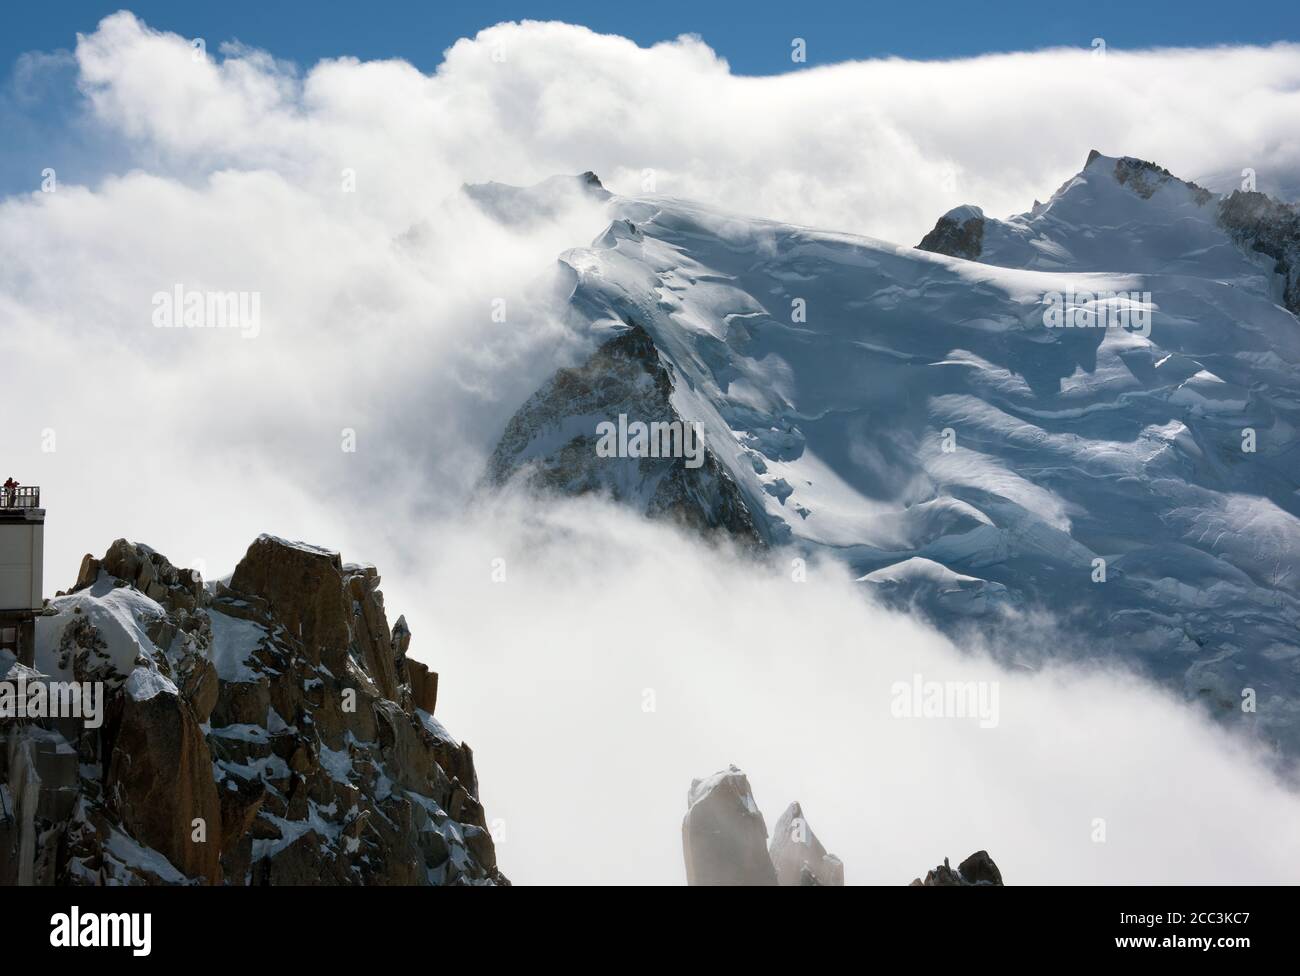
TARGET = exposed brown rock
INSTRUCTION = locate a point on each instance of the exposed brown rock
(424, 686)
(958, 233)
(370, 630)
(159, 782)
(401, 642)
(241, 800)
(280, 711)
(200, 686)
(302, 586)
(88, 573)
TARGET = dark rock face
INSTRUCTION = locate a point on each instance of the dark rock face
(797, 854)
(1144, 178)
(1255, 221)
(976, 870)
(551, 441)
(724, 838)
(958, 234)
(1260, 224)
(980, 869)
(272, 731)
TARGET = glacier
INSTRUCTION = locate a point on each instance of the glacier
(1119, 494)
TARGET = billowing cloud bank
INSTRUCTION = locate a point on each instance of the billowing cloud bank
(377, 330)
(877, 147)
(618, 661)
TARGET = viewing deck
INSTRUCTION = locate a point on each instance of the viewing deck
(19, 499)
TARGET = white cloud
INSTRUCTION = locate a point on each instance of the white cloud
(866, 146)
(793, 682)
(376, 317)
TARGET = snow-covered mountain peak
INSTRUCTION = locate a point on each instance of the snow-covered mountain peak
(1127, 214)
(919, 414)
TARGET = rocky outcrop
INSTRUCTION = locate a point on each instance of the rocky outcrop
(724, 838)
(551, 442)
(1255, 222)
(797, 854)
(959, 234)
(302, 587)
(159, 785)
(724, 835)
(1144, 177)
(424, 687)
(1262, 225)
(976, 870)
(272, 730)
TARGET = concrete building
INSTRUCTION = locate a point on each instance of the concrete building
(22, 569)
(38, 763)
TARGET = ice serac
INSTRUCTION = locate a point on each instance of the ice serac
(1126, 493)
(798, 856)
(724, 837)
(271, 730)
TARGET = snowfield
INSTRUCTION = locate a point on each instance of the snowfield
(1073, 492)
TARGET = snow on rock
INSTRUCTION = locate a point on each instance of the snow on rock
(276, 709)
(234, 642)
(306, 547)
(120, 618)
(959, 234)
(145, 682)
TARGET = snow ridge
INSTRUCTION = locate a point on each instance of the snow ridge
(915, 415)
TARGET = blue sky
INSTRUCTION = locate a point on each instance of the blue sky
(41, 113)
(754, 36)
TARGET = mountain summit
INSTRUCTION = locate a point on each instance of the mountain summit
(1129, 215)
(267, 730)
(1071, 433)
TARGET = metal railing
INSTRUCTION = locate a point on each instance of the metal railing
(22, 497)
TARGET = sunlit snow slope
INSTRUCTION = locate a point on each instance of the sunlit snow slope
(911, 412)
